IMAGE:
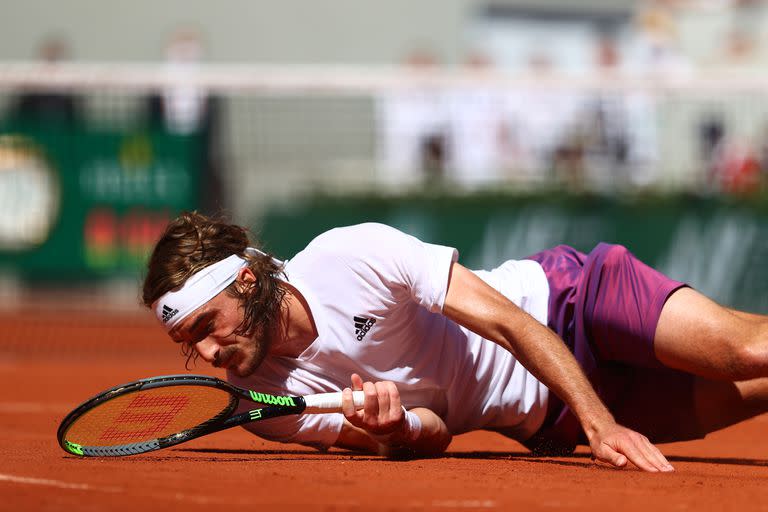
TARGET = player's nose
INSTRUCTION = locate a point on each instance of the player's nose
(208, 349)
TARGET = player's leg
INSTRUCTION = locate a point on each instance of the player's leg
(697, 335)
(720, 404)
(752, 317)
(668, 405)
(627, 308)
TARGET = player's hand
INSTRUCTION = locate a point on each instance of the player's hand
(382, 412)
(615, 445)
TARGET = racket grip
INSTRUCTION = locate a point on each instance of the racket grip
(330, 402)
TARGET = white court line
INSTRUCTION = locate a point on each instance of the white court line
(474, 504)
(54, 483)
(178, 496)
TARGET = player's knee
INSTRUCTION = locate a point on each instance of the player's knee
(750, 360)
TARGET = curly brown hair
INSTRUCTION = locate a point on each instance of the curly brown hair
(192, 242)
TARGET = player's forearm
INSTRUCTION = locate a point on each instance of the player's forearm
(545, 355)
(475, 305)
(433, 438)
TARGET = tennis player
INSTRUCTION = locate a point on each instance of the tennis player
(558, 349)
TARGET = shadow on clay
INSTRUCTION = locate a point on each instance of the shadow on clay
(572, 460)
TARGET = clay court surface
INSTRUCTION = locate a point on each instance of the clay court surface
(50, 362)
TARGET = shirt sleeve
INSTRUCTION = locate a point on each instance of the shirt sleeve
(398, 260)
(430, 284)
(317, 430)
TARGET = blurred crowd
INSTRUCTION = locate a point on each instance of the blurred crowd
(606, 139)
(474, 136)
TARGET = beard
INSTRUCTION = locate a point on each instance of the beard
(261, 325)
(255, 351)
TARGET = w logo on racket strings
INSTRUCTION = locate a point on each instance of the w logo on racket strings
(168, 313)
(144, 416)
(362, 326)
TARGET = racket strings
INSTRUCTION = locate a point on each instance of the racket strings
(149, 414)
(166, 408)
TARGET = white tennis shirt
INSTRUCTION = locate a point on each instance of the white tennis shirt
(376, 295)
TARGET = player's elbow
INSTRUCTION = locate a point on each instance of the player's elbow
(434, 446)
(442, 443)
(435, 436)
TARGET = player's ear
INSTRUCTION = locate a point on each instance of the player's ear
(246, 277)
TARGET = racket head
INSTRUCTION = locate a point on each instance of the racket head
(146, 415)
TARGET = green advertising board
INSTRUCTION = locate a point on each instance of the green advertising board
(80, 204)
(717, 245)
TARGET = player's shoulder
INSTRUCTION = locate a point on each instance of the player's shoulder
(358, 239)
(362, 230)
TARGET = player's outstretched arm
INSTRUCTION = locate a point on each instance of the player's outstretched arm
(382, 426)
(474, 304)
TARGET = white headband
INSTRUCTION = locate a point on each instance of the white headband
(176, 305)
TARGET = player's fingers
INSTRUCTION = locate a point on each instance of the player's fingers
(395, 405)
(396, 410)
(657, 457)
(371, 404)
(612, 458)
(347, 403)
(654, 455)
(357, 382)
(382, 391)
(631, 451)
(609, 452)
(636, 448)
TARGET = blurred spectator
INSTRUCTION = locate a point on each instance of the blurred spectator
(187, 109)
(657, 39)
(568, 161)
(736, 169)
(412, 122)
(540, 118)
(711, 134)
(740, 46)
(477, 128)
(618, 126)
(47, 107)
(734, 165)
(183, 107)
(742, 41)
(608, 130)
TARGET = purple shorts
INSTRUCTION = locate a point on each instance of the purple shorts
(605, 306)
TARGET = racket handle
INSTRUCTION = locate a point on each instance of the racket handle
(330, 402)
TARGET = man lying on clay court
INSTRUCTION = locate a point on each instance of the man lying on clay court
(555, 350)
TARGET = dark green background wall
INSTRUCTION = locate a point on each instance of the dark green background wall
(719, 246)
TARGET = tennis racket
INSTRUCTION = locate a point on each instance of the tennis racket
(150, 414)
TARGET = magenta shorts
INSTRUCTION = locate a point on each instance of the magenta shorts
(605, 306)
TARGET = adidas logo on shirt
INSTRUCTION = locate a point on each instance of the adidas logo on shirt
(168, 313)
(362, 326)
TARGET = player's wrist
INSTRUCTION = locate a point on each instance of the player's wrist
(407, 433)
(593, 425)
